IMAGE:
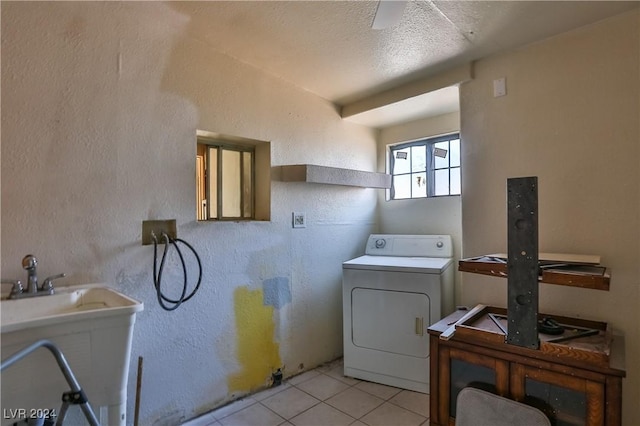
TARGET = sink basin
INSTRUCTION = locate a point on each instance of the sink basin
(93, 327)
(67, 305)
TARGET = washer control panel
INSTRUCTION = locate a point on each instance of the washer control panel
(409, 245)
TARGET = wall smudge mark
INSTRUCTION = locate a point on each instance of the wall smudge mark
(277, 292)
(257, 352)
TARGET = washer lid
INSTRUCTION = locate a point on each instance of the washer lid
(423, 265)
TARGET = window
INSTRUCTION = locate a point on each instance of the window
(425, 168)
(230, 178)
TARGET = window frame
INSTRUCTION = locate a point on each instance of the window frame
(223, 145)
(430, 168)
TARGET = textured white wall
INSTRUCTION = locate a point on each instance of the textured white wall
(100, 106)
(570, 117)
(438, 215)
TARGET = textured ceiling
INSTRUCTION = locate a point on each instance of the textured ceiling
(329, 48)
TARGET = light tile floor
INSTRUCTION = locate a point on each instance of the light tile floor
(323, 397)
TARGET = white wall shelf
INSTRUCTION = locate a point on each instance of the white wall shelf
(331, 175)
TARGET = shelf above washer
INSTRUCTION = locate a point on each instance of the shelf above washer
(331, 176)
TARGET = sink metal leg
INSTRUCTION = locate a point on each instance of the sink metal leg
(76, 396)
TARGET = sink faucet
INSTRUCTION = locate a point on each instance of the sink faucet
(29, 262)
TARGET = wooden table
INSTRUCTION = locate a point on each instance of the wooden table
(574, 382)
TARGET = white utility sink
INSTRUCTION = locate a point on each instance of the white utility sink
(92, 325)
(67, 305)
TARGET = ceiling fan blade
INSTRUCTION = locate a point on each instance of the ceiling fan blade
(388, 13)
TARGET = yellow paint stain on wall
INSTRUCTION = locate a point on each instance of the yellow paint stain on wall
(257, 351)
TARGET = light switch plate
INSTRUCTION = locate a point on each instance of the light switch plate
(299, 220)
(499, 87)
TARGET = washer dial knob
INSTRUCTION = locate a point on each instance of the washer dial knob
(439, 244)
(380, 243)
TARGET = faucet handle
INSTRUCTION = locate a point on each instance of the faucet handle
(47, 285)
(16, 289)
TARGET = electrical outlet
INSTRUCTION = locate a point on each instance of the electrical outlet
(299, 220)
(157, 228)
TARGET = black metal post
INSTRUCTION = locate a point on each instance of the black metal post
(522, 263)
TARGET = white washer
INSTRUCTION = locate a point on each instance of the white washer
(403, 284)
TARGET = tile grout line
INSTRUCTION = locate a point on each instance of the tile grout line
(357, 418)
(282, 417)
(233, 412)
(324, 401)
(350, 387)
(405, 408)
(383, 401)
(307, 393)
(409, 409)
